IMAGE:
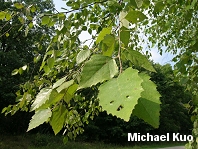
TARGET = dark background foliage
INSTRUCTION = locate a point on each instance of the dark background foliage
(16, 50)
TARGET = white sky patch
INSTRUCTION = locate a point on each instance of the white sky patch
(161, 59)
(60, 4)
(85, 36)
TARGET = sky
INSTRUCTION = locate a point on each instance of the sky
(156, 57)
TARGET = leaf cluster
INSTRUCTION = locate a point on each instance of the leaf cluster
(75, 81)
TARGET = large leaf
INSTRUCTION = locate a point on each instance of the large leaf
(39, 118)
(58, 118)
(119, 96)
(135, 16)
(102, 34)
(148, 107)
(82, 55)
(138, 59)
(98, 69)
(41, 98)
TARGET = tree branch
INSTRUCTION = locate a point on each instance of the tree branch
(83, 7)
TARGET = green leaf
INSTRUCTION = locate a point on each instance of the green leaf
(123, 21)
(58, 118)
(41, 98)
(46, 69)
(119, 96)
(37, 58)
(24, 67)
(42, 65)
(45, 20)
(148, 107)
(139, 3)
(135, 16)
(50, 62)
(124, 36)
(159, 7)
(18, 5)
(4, 110)
(20, 70)
(70, 93)
(138, 59)
(65, 139)
(108, 45)
(39, 118)
(98, 69)
(103, 33)
(22, 20)
(82, 56)
(8, 16)
(7, 34)
(33, 9)
(15, 72)
(53, 99)
(2, 15)
(64, 85)
(59, 82)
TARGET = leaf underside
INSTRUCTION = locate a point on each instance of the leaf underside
(41, 98)
(82, 56)
(39, 118)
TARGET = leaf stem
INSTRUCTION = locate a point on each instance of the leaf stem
(119, 50)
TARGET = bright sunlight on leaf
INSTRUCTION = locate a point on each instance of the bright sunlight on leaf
(120, 95)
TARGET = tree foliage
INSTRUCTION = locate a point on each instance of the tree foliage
(174, 25)
(69, 73)
(17, 37)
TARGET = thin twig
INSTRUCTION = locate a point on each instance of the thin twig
(8, 21)
(119, 50)
(84, 7)
(6, 32)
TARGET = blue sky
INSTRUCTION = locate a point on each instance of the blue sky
(166, 58)
(59, 4)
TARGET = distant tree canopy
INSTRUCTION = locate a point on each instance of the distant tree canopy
(70, 71)
(18, 49)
